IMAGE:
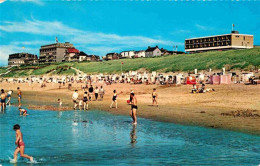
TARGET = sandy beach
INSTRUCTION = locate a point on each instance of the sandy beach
(232, 107)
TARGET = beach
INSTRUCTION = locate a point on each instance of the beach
(231, 107)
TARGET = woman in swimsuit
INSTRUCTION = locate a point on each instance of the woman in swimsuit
(114, 99)
(85, 100)
(154, 95)
(20, 144)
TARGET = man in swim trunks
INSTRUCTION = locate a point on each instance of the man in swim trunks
(20, 144)
(19, 93)
(154, 96)
(9, 94)
(133, 108)
(3, 98)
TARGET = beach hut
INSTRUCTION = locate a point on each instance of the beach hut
(179, 78)
(215, 79)
(225, 79)
(246, 76)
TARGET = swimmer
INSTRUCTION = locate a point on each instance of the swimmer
(23, 112)
(20, 144)
(3, 98)
(155, 96)
(133, 108)
(9, 94)
(19, 93)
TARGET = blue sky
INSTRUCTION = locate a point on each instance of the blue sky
(101, 26)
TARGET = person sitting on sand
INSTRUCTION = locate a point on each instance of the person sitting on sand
(23, 112)
(154, 96)
(20, 144)
(75, 98)
(19, 93)
(133, 108)
(3, 98)
(59, 102)
(194, 88)
(9, 94)
(85, 100)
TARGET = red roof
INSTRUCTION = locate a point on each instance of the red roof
(72, 50)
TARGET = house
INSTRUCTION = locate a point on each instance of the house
(112, 56)
(127, 54)
(139, 54)
(153, 51)
(93, 58)
(71, 55)
(166, 52)
(82, 56)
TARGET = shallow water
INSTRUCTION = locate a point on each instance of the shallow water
(99, 138)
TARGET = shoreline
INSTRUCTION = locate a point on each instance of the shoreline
(219, 110)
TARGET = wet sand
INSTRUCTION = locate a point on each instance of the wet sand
(233, 107)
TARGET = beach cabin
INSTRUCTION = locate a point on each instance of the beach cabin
(225, 79)
(215, 79)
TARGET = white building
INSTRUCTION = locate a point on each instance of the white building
(127, 54)
(140, 54)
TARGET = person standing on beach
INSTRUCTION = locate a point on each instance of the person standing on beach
(19, 93)
(3, 98)
(75, 98)
(20, 144)
(101, 92)
(85, 100)
(134, 108)
(90, 90)
(96, 93)
(114, 99)
(154, 96)
(9, 94)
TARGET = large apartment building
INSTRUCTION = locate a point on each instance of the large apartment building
(234, 40)
(18, 59)
(54, 52)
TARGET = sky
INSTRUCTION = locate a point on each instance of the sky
(102, 26)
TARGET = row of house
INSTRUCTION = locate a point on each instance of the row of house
(149, 52)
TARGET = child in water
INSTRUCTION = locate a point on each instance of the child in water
(59, 102)
(20, 144)
(23, 112)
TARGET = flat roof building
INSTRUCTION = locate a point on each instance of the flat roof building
(54, 52)
(18, 59)
(234, 40)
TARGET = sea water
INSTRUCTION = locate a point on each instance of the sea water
(100, 138)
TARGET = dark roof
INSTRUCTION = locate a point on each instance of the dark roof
(149, 49)
(112, 53)
(81, 53)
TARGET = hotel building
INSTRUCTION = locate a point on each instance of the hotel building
(54, 52)
(18, 59)
(234, 40)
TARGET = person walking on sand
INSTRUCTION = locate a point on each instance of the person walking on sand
(9, 94)
(96, 93)
(20, 144)
(133, 108)
(114, 99)
(75, 98)
(101, 93)
(19, 93)
(3, 99)
(85, 100)
(154, 96)
(90, 90)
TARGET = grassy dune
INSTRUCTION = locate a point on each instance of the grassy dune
(234, 59)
